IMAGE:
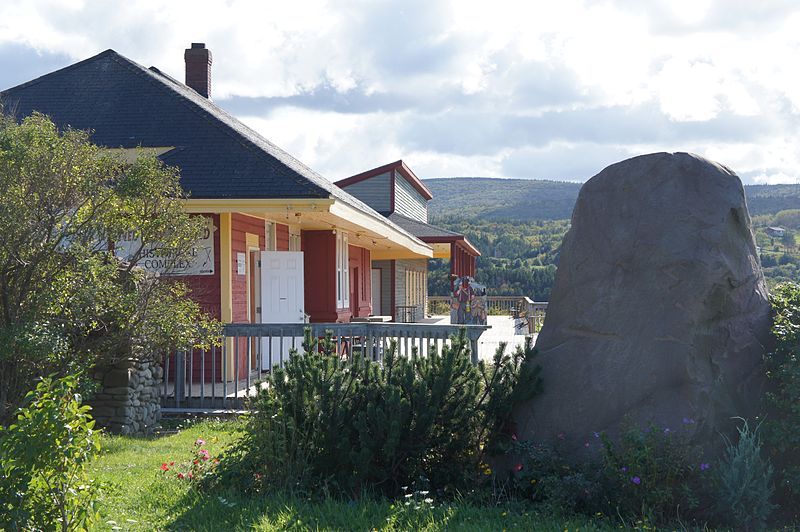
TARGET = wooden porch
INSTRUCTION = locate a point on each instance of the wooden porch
(224, 377)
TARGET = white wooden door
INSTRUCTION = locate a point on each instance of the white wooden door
(376, 292)
(282, 300)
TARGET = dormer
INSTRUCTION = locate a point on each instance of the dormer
(391, 188)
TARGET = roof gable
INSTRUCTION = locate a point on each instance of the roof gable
(126, 105)
(399, 167)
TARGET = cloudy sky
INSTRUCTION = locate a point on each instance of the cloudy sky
(530, 89)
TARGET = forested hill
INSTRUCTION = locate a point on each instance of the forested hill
(525, 200)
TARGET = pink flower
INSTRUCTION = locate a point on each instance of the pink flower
(165, 467)
(514, 437)
(518, 468)
(200, 442)
(586, 444)
(204, 454)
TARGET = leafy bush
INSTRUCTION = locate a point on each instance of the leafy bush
(743, 482)
(69, 301)
(43, 479)
(355, 425)
(653, 473)
(541, 475)
(782, 426)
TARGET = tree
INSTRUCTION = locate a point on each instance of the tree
(66, 300)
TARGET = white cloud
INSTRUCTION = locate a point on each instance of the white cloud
(454, 86)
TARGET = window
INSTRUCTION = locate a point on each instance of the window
(342, 271)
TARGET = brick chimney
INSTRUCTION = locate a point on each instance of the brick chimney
(198, 68)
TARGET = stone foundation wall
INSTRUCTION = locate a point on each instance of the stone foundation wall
(129, 401)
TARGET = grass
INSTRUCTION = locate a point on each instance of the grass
(141, 497)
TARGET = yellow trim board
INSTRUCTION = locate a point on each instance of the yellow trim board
(225, 267)
(129, 155)
(416, 248)
(258, 206)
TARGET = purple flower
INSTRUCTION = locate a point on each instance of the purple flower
(623, 469)
(596, 434)
(705, 466)
(636, 480)
(688, 421)
(586, 444)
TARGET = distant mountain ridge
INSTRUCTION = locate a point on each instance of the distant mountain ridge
(525, 200)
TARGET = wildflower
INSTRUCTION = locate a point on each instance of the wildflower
(171, 464)
(514, 437)
(623, 469)
(164, 467)
(533, 481)
(688, 421)
(428, 500)
(200, 442)
(190, 474)
(636, 480)
(180, 476)
(596, 434)
(205, 455)
(423, 492)
(586, 444)
(407, 495)
(195, 462)
(666, 431)
(560, 435)
(518, 467)
(705, 466)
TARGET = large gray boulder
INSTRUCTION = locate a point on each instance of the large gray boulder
(659, 311)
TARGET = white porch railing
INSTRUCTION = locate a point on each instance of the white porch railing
(223, 377)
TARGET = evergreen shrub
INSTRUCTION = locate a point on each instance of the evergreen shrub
(743, 482)
(353, 426)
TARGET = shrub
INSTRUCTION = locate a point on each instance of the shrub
(68, 299)
(652, 473)
(743, 482)
(541, 475)
(353, 425)
(782, 425)
(43, 479)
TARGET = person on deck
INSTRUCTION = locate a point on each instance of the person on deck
(463, 294)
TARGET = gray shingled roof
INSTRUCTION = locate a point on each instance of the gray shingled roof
(421, 229)
(126, 105)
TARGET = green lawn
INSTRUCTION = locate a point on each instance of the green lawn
(141, 497)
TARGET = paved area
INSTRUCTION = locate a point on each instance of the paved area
(502, 331)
